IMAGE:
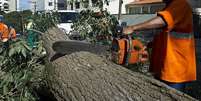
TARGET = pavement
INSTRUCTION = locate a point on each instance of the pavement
(194, 89)
(198, 55)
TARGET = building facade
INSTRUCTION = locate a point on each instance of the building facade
(140, 8)
(13, 5)
(4, 5)
(9, 5)
(44, 5)
(127, 6)
(113, 6)
(154, 6)
(47, 5)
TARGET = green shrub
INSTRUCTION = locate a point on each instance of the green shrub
(92, 25)
(21, 70)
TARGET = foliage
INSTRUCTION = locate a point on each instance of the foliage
(45, 20)
(93, 25)
(95, 3)
(42, 20)
(99, 3)
(21, 67)
(17, 19)
(21, 71)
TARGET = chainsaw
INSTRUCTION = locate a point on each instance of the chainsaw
(126, 49)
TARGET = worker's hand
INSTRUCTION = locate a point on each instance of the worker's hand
(144, 56)
(5, 40)
(150, 44)
(128, 30)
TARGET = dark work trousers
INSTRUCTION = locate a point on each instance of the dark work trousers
(178, 86)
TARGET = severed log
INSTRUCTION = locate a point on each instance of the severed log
(81, 74)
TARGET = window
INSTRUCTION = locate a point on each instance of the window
(135, 10)
(71, 6)
(6, 6)
(156, 8)
(68, 17)
(77, 5)
(145, 9)
(50, 3)
(94, 2)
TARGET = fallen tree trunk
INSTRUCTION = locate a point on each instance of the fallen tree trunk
(85, 76)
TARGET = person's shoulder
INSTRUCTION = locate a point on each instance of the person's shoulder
(5, 26)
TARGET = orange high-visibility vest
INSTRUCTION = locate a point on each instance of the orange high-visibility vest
(4, 31)
(173, 55)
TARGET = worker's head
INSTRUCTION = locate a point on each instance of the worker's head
(1, 18)
(30, 20)
(10, 27)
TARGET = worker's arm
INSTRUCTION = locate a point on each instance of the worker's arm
(5, 34)
(13, 34)
(156, 22)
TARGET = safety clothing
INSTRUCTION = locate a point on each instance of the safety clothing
(32, 37)
(12, 33)
(4, 31)
(173, 54)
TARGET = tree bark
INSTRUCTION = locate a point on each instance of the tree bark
(86, 76)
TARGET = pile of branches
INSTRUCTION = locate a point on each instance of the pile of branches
(95, 26)
(21, 70)
(43, 20)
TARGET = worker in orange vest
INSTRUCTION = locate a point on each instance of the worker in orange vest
(12, 33)
(3, 30)
(173, 55)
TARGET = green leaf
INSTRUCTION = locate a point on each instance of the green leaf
(25, 99)
(11, 52)
(2, 58)
(27, 47)
(24, 52)
(11, 99)
(5, 89)
(3, 82)
(18, 49)
(40, 49)
(11, 79)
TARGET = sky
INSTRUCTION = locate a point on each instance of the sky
(24, 4)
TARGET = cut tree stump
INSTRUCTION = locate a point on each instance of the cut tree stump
(86, 76)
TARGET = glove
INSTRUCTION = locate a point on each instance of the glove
(143, 55)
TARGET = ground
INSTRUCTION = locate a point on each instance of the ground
(194, 89)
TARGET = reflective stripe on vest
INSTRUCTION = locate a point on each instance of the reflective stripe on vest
(181, 35)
